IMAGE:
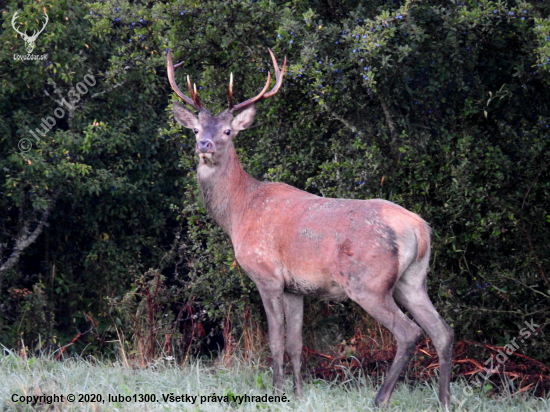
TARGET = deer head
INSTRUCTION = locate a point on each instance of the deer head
(214, 134)
(29, 40)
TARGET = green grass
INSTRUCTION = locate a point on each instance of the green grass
(45, 376)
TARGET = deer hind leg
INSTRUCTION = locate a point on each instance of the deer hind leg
(274, 309)
(294, 314)
(410, 291)
(382, 307)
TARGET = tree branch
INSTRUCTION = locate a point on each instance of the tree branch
(341, 119)
(388, 115)
(26, 238)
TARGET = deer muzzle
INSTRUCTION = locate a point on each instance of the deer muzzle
(206, 146)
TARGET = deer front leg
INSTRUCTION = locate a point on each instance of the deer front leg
(274, 308)
(294, 315)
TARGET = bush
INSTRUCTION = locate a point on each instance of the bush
(443, 110)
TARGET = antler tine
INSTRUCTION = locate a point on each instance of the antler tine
(196, 96)
(231, 91)
(189, 85)
(262, 95)
(278, 76)
(36, 33)
(13, 19)
(172, 80)
(193, 93)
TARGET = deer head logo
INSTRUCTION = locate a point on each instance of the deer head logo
(29, 40)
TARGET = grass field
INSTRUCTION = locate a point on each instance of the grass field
(43, 377)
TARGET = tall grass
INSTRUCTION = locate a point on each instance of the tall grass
(46, 376)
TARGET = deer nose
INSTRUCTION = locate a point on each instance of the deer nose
(205, 146)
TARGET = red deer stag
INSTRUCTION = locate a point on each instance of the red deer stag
(292, 243)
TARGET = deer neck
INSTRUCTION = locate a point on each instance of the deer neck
(226, 190)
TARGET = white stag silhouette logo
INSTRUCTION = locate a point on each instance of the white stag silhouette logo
(29, 40)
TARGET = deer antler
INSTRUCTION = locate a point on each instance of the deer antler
(278, 76)
(35, 34)
(262, 95)
(25, 35)
(194, 101)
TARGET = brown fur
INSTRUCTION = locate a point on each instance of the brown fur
(293, 243)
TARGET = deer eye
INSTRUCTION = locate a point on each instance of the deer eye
(196, 131)
(228, 132)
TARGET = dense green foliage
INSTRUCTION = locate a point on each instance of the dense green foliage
(443, 110)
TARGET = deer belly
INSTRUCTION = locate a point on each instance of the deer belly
(322, 288)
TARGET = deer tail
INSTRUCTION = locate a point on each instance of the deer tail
(422, 231)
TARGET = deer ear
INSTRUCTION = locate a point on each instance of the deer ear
(244, 119)
(184, 116)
